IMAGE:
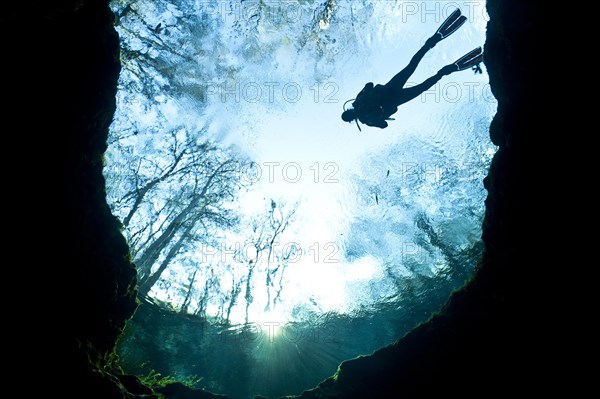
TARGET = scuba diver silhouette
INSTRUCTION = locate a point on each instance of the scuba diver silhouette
(374, 105)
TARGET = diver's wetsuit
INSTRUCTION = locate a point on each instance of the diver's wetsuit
(374, 104)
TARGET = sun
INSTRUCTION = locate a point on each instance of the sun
(271, 324)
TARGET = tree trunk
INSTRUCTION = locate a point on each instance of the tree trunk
(188, 295)
(147, 282)
(248, 296)
(140, 194)
(145, 262)
(235, 292)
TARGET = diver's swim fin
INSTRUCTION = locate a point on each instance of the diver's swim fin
(451, 24)
(474, 57)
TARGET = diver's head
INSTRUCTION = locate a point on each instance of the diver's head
(348, 115)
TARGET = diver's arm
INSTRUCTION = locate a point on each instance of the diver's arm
(382, 124)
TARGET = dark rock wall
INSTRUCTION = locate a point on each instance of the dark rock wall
(67, 65)
(105, 293)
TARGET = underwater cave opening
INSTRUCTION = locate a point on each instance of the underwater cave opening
(272, 240)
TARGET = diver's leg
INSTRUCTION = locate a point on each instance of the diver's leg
(407, 94)
(400, 79)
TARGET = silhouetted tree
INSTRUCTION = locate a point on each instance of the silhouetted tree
(171, 198)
